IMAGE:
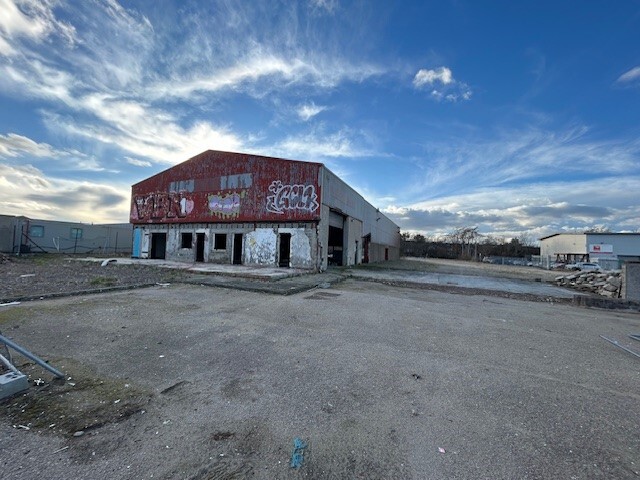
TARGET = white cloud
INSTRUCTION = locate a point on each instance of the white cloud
(443, 87)
(317, 145)
(136, 162)
(328, 6)
(274, 71)
(630, 76)
(441, 75)
(538, 209)
(25, 188)
(309, 110)
(13, 145)
(116, 91)
(18, 146)
(33, 19)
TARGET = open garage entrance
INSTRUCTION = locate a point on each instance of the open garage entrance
(336, 239)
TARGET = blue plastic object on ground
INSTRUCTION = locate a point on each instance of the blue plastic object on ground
(297, 456)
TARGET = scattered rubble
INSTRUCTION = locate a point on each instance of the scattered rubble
(607, 284)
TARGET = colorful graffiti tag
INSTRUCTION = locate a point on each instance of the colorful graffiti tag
(291, 197)
(161, 205)
(227, 205)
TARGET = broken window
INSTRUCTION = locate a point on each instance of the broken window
(187, 240)
(36, 231)
(220, 242)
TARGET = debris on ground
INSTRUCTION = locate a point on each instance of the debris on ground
(606, 284)
(297, 456)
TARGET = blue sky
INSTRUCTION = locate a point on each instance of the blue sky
(520, 118)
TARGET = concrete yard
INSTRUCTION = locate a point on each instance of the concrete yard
(381, 382)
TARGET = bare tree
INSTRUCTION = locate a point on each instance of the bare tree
(466, 237)
(597, 229)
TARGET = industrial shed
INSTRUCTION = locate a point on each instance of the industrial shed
(33, 235)
(237, 208)
(610, 250)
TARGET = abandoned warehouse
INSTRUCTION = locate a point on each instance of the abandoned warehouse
(236, 208)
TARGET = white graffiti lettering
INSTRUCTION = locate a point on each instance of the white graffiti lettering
(291, 197)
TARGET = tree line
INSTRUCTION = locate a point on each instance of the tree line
(466, 243)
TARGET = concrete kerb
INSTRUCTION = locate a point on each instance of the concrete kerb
(288, 286)
(458, 290)
(90, 291)
(605, 303)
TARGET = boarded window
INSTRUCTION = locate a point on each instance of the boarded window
(187, 240)
(36, 231)
(220, 242)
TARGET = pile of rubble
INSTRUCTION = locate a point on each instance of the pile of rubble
(608, 284)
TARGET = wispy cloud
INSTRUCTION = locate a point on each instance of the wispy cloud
(18, 146)
(318, 145)
(116, 92)
(442, 85)
(33, 20)
(136, 162)
(515, 156)
(328, 6)
(309, 110)
(631, 76)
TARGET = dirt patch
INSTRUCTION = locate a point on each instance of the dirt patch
(82, 402)
(33, 276)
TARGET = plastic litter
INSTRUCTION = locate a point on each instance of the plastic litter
(297, 455)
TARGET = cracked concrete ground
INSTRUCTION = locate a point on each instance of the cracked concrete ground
(379, 381)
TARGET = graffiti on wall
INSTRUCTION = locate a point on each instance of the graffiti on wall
(161, 205)
(291, 197)
(227, 205)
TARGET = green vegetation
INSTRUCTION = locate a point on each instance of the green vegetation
(84, 402)
(104, 281)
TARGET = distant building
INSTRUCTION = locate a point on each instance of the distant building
(29, 235)
(610, 250)
(246, 209)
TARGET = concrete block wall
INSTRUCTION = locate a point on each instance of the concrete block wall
(631, 281)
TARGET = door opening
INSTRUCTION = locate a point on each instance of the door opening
(237, 249)
(199, 247)
(285, 250)
(335, 245)
(366, 240)
(158, 245)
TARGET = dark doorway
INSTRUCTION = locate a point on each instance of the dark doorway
(336, 236)
(158, 245)
(199, 247)
(285, 250)
(237, 249)
(366, 240)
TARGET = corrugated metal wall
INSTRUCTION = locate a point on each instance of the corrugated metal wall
(229, 187)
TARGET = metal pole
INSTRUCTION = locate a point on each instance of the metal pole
(621, 346)
(9, 365)
(30, 355)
